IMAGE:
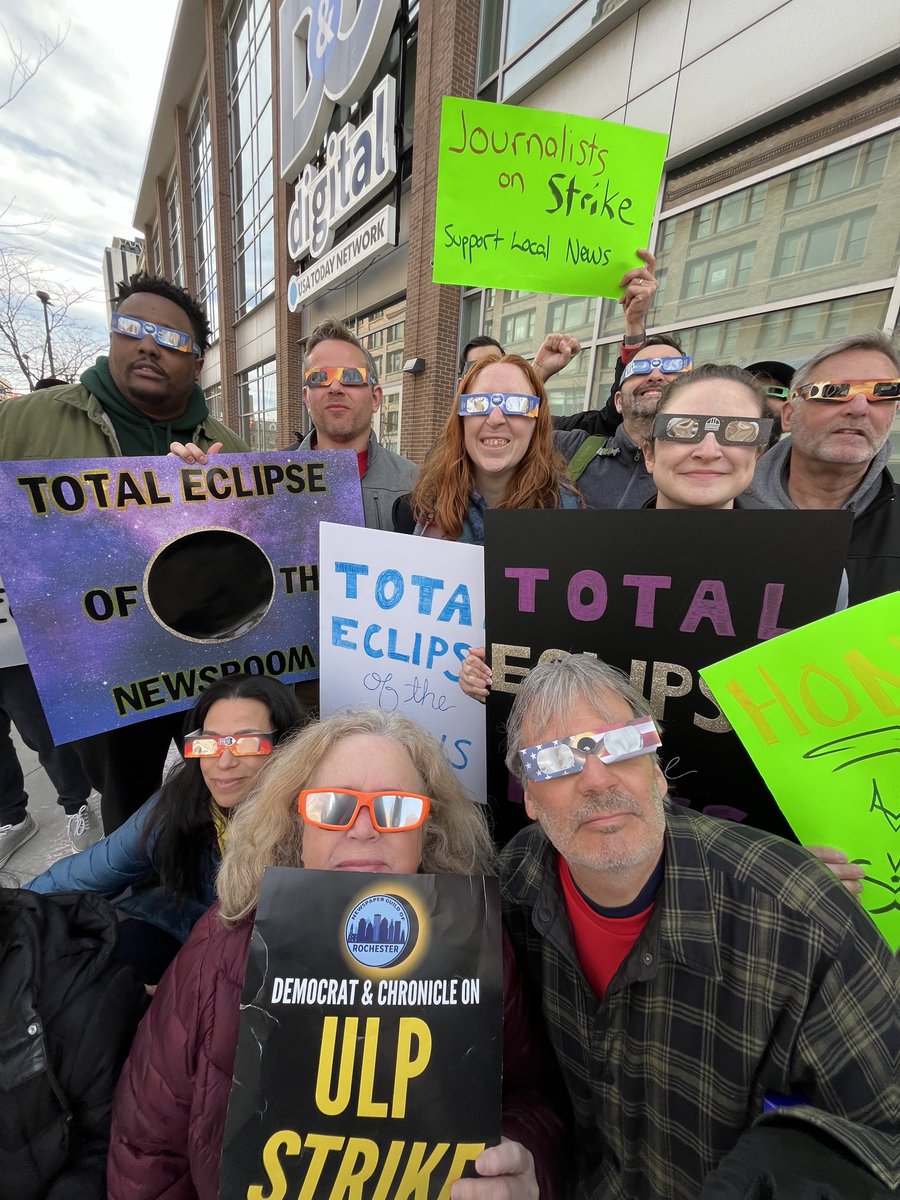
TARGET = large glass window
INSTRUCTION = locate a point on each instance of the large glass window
(824, 225)
(257, 407)
(213, 396)
(536, 32)
(202, 192)
(156, 245)
(173, 222)
(249, 59)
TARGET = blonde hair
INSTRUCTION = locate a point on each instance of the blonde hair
(267, 829)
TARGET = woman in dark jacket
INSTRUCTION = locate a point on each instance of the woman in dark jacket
(166, 855)
(172, 1100)
(68, 1011)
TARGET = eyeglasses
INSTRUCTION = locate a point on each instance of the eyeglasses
(325, 376)
(775, 392)
(210, 745)
(169, 339)
(668, 366)
(338, 808)
(876, 391)
(475, 404)
(568, 755)
(729, 431)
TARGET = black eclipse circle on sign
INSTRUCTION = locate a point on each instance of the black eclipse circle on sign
(211, 585)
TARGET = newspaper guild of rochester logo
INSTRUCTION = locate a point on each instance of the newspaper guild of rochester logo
(381, 930)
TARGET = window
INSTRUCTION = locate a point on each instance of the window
(202, 192)
(257, 407)
(173, 221)
(519, 327)
(844, 244)
(718, 216)
(389, 420)
(375, 340)
(718, 272)
(574, 316)
(512, 297)
(396, 332)
(393, 361)
(157, 251)
(841, 240)
(249, 75)
(213, 396)
(857, 166)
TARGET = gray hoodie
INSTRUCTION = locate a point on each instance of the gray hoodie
(771, 476)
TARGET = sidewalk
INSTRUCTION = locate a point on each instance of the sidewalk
(50, 841)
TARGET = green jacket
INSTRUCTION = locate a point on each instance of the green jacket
(68, 422)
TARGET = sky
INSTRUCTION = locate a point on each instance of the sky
(73, 142)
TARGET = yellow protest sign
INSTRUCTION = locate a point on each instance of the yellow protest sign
(542, 201)
(818, 710)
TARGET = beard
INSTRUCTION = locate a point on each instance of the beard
(592, 853)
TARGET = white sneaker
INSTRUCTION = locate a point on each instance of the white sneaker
(14, 836)
(83, 829)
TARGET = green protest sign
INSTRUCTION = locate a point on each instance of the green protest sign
(541, 201)
(818, 710)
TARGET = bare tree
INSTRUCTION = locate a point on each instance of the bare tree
(25, 63)
(23, 341)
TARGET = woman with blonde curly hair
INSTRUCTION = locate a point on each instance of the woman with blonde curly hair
(360, 791)
(496, 451)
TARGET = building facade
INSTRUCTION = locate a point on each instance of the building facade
(292, 168)
(120, 261)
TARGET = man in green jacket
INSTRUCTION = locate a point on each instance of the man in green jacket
(136, 401)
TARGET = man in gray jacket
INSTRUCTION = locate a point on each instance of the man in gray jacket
(341, 393)
(839, 415)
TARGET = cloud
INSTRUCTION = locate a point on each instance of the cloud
(73, 142)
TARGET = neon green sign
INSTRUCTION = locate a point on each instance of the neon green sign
(818, 710)
(542, 201)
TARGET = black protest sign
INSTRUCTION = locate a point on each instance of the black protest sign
(369, 1055)
(659, 595)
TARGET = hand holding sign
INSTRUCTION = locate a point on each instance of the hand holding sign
(819, 713)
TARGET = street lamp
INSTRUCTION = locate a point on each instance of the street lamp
(45, 300)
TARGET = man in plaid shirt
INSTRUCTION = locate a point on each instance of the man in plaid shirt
(688, 969)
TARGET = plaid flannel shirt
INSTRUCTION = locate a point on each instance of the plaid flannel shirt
(756, 973)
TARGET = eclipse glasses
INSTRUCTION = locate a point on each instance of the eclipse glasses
(209, 745)
(325, 376)
(169, 339)
(876, 391)
(568, 755)
(476, 404)
(338, 808)
(728, 431)
(668, 366)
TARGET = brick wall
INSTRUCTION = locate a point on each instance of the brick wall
(447, 51)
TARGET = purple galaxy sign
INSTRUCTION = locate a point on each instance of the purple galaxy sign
(137, 582)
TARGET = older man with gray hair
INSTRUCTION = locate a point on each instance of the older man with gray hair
(839, 415)
(692, 973)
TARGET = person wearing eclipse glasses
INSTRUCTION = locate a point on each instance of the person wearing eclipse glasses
(839, 414)
(159, 868)
(341, 394)
(359, 791)
(699, 980)
(610, 471)
(495, 451)
(136, 400)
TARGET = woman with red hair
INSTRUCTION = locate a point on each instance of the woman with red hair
(496, 451)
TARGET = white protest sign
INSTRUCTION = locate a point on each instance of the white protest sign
(397, 616)
(12, 652)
